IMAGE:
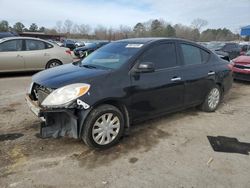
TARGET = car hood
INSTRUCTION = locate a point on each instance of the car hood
(67, 74)
(242, 59)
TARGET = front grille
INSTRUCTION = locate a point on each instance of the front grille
(240, 76)
(39, 93)
(241, 66)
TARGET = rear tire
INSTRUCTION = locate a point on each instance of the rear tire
(104, 127)
(213, 99)
(53, 63)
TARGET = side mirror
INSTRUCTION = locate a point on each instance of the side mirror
(145, 67)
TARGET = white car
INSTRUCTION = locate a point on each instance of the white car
(26, 54)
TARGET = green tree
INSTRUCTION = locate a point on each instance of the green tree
(157, 28)
(42, 29)
(4, 26)
(18, 27)
(33, 27)
(139, 30)
(169, 31)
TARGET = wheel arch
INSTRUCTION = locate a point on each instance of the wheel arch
(53, 59)
(220, 86)
(118, 104)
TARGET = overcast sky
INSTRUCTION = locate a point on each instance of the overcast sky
(219, 13)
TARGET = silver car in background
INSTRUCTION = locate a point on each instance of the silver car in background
(26, 54)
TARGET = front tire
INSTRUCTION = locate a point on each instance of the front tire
(212, 100)
(103, 127)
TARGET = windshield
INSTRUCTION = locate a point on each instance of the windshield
(215, 45)
(112, 55)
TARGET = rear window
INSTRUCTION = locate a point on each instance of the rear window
(193, 55)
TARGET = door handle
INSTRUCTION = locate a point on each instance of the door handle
(46, 54)
(211, 73)
(174, 79)
(18, 55)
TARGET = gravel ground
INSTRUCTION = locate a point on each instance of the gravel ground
(171, 151)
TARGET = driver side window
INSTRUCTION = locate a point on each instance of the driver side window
(162, 55)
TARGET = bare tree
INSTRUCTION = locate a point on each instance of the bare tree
(68, 24)
(59, 26)
(84, 29)
(75, 29)
(125, 31)
(101, 32)
(199, 23)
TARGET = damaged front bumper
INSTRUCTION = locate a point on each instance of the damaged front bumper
(58, 122)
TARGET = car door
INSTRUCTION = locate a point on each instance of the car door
(11, 55)
(36, 55)
(161, 90)
(197, 72)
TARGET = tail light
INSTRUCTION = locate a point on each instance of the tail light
(68, 52)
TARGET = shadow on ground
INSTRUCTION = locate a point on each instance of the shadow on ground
(17, 74)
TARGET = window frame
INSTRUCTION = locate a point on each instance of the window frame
(22, 44)
(155, 45)
(196, 46)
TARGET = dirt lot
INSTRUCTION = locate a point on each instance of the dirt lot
(172, 151)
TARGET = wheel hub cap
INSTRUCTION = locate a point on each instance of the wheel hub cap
(213, 98)
(106, 128)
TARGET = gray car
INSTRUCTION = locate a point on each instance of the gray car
(26, 54)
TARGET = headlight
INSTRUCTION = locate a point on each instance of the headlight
(65, 95)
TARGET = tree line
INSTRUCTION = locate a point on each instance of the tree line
(150, 28)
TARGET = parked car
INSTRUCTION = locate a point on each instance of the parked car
(79, 44)
(221, 54)
(83, 51)
(244, 48)
(241, 67)
(124, 82)
(25, 53)
(56, 42)
(232, 49)
(69, 44)
(7, 34)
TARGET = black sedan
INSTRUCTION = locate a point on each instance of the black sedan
(98, 98)
(83, 51)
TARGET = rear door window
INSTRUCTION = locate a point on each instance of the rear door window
(34, 45)
(193, 55)
(11, 46)
(162, 55)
